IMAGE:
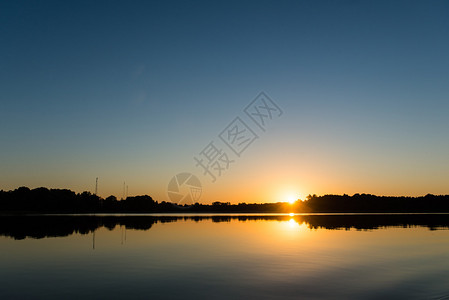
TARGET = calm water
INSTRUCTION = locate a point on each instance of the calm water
(221, 257)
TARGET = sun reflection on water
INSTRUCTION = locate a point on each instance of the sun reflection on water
(293, 225)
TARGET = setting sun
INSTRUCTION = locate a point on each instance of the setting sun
(291, 199)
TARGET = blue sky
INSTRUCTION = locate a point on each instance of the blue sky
(131, 91)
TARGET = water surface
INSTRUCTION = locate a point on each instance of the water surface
(225, 257)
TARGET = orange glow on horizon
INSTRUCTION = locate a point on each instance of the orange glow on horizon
(291, 198)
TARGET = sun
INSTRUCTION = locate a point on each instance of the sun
(291, 199)
(289, 195)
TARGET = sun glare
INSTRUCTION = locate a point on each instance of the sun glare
(291, 199)
(288, 194)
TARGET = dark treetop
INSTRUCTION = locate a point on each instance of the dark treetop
(43, 200)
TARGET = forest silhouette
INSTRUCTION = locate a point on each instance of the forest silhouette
(43, 200)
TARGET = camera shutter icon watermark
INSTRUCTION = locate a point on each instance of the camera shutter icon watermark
(184, 188)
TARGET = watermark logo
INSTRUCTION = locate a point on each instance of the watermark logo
(213, 161)
(262, 110)
(219, 154)
(184, 188)
(238, 136)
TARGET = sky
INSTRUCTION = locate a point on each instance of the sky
(133, 91)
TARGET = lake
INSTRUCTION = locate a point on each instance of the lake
(268, 256)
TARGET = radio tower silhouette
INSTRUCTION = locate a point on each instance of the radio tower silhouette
(96, 186)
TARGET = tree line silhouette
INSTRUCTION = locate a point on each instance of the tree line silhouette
(43, 200)
(372, 203)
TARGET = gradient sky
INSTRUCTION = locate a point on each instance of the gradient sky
(133, 90)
